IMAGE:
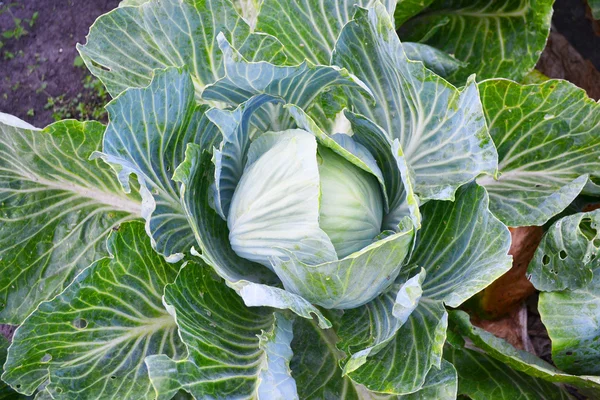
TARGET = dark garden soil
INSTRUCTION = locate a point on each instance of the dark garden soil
(37, 73)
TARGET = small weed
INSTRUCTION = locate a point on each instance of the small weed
(87, 105)
(18, 30)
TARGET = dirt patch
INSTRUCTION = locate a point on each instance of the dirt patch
(39, 65)
(572, 19)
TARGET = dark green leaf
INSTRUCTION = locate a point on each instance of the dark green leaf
(498, 38)
(93, 338)
(232, 351)
(548, 140)
(56, 209)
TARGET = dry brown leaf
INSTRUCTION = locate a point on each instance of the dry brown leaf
(560, 60)
(506, 294)
(511, 327)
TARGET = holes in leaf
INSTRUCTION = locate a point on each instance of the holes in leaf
(562, 254)
(47, 357)
(585, 226)
(58, 390)
(113, 377)
(18, 386)
(100, 66)
(80, 323)
(546, 259)
(569, 353)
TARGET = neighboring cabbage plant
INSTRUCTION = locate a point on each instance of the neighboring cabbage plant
(285, 202)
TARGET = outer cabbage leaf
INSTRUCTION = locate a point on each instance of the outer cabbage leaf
(302, 85)
(6, 393)
(496, 38)
(56, 209)
(440, 384)
(451, 267)
(440, 129)
(571, 318)
(94, 336)
(315, 364)
(232, 350)
(147, 134)
(402, 366)
(125, 46)
(520, 360)
(548, 140)
(405, 9)
(371, 327)
(309, 29)
(481, 377)
(566, 256)
(461, 245)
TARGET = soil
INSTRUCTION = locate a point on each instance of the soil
(43, 64)
(573, 20)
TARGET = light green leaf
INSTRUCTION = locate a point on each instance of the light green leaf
(572, 320)
(343, 145)
(520, 360)
(309, 29)
(436, 60)
(497, 39)
(402, 366)
(126, 45)
(548, 140)
(440, 129)
(94, 336)
(232, 350)
(56, 208)
(315, 364)
(440, 384)
(147, 134)
(196, 175)
(132, 3)
(461, 245)
(275, 208)
(351, 205)
(350, 282)
(481, 377)
(566, 257)
(230, 157)
(371, 327)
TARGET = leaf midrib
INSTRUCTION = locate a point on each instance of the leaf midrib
(119, 203)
